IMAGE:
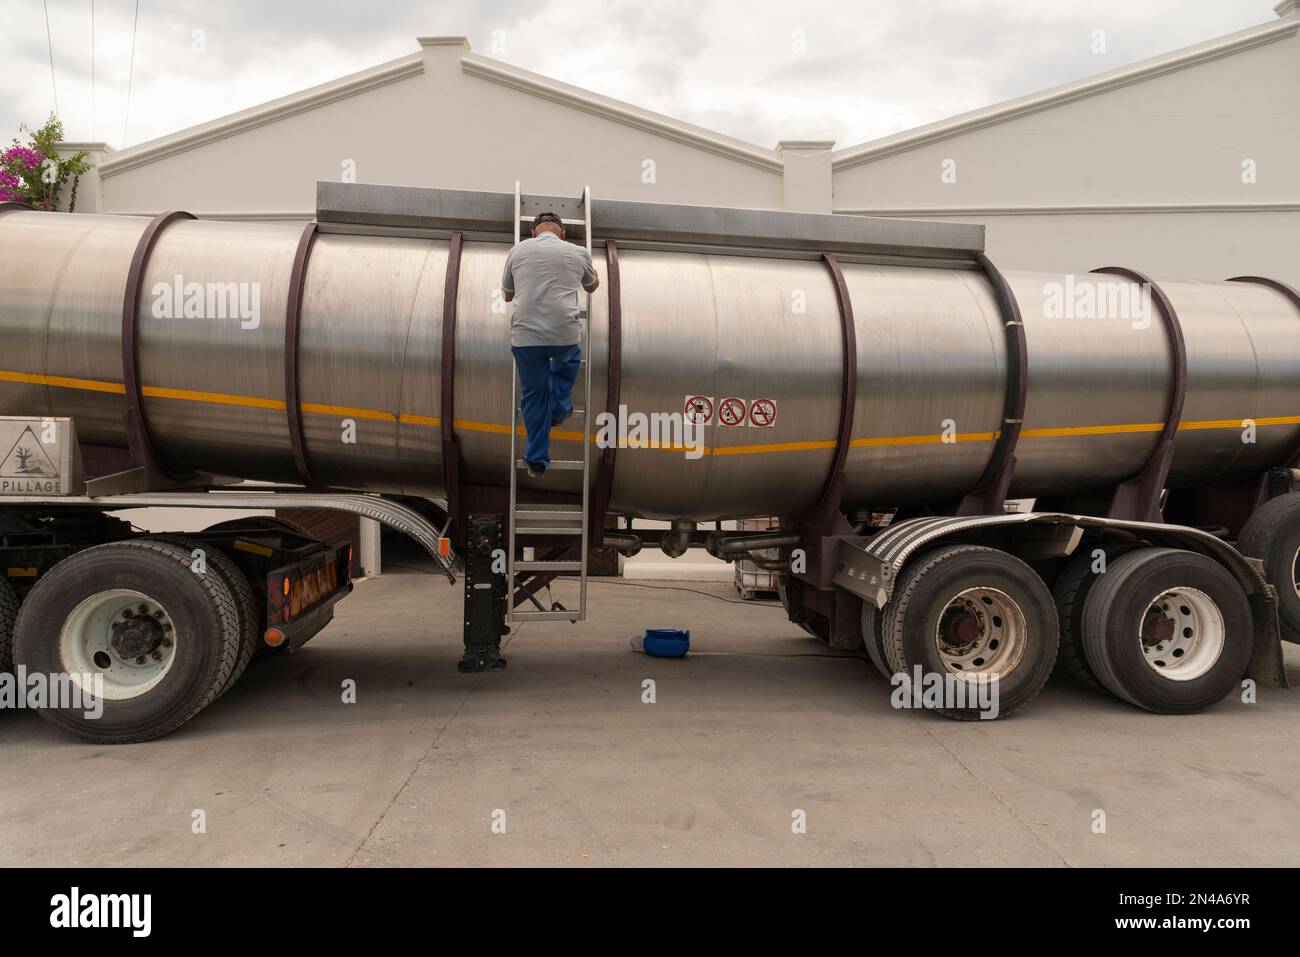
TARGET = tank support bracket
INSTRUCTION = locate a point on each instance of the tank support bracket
(292, 366)
(447, 385)
(1138, 499)
(994, 484)
(613, 388)
(139, 438)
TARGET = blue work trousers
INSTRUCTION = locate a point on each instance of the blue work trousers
(548, 373)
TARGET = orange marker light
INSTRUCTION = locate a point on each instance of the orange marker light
(274, 637)
(444, 547)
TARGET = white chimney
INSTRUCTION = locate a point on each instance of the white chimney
(807, 175)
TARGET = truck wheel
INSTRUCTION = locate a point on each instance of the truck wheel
(163, 639)
(966, 610)
(873, 637)
(1273, 535)
(1072, 587)
(1167, 630)
(251, 626)
(8, 615)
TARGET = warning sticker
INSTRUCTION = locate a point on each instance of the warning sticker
(26, 459)
(699, 409)
(762, 413)
(731, 411)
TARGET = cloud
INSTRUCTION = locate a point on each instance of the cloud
(761, 70)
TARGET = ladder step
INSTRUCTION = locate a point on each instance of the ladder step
(576, 411)
(565, 222)
(546, 615)
(573, 465)
(547, 512)
(539, 566)
(547, 530)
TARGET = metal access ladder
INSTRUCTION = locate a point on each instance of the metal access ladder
(550, 519)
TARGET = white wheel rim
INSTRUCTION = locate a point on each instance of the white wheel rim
(1182, 634)
(981, 631)
(123, 635)
(1295, 572)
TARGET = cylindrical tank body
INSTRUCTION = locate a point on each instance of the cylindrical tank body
(931, 367)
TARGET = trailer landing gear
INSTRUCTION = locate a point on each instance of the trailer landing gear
(485, 596)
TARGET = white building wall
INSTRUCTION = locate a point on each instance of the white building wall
(1149, 169)
(443, 117)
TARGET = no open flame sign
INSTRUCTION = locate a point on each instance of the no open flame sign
(732, 411)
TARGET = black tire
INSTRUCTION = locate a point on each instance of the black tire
(247, 606)
(1071, 588)
(206, 630)
(873, 637)
(1273, 535)
(8, 617)
(1115, 613)
(927, 590)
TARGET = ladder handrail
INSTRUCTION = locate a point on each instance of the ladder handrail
(514, 440)
(586, 419)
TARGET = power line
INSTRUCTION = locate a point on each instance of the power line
(92, 70)
(50, 42)
(131, 74)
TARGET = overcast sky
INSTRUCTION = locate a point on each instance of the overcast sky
(760, 70)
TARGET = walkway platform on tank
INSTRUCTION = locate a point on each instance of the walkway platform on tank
(760, 723)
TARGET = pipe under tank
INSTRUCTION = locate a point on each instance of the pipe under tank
(931, 361)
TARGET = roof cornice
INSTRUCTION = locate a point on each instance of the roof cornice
(1100, 209)
(852, 156)
(309, 99)
(472, 64)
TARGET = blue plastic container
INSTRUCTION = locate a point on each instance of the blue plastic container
(667, 642)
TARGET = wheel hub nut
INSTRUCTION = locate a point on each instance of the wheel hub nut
(135, 638)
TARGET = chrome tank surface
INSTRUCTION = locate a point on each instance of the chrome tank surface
(931, 367)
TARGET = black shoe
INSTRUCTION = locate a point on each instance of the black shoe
(535, 469)
(562, 419)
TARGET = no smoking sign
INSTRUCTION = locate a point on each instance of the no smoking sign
(762, 413)
(731, 412)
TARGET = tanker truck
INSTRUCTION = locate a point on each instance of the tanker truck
(979, 473)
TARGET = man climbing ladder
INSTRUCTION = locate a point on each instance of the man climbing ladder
(544, 273)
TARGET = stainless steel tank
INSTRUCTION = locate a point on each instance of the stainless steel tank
(696, 320)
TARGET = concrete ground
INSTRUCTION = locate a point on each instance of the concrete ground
(758, 724)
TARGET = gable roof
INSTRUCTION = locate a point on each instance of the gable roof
(1148, 69)
(472, 64)
(278, 109)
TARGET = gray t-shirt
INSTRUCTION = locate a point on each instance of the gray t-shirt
(544, 274)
